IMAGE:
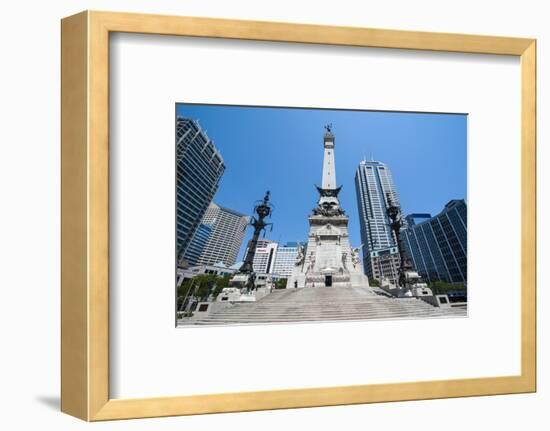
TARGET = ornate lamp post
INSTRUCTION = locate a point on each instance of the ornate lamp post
(394, 213)
(263, 209)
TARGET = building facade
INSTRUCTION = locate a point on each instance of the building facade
(199, 168)
(198, 243)
(437, 246)
(264, 257)
(384, 263)
(219, 269)
(285, 259)
(417, 218)
(226, 236)
(373, 184)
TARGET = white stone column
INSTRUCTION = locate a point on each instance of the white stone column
(329, 168)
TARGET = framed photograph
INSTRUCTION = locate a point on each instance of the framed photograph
(262, 215)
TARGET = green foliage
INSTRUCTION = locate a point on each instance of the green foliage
(374, 282)
(221, 283)
(442, 287)
(280, 284)
(184, 288)
(202, 286)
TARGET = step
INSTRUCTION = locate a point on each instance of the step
(327, 315)
(323, 304)
(291, 320)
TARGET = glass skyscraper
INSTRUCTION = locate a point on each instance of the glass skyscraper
(373, 185)
(199, 168)
(198, 243)
(437, 246)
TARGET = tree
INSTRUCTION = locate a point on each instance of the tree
(441, 287)
(280, 283)
(201, 287)
(205, 284)
(221, 283)
(373, 282)
(184, 290)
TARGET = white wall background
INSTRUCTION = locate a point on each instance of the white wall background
(29, 215)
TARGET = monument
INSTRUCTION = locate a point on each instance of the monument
(328, 259)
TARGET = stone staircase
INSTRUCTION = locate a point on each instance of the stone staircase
(322, 304)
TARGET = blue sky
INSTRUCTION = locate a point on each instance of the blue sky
(281, 150)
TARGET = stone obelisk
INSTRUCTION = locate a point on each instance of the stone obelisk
(328, 260)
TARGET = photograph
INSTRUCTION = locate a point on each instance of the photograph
(266, 232)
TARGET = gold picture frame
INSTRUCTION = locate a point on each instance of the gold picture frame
(85, 219)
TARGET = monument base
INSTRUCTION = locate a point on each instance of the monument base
(301, 280)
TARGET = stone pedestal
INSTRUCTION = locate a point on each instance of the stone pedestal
(329, 260)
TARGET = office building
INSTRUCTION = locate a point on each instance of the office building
(227, 233)
(199, 168)
(198, 243)
(285, 259)
(437, 246)
(384, 263)
(264, 257)
(417, 218)
(373, 185)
